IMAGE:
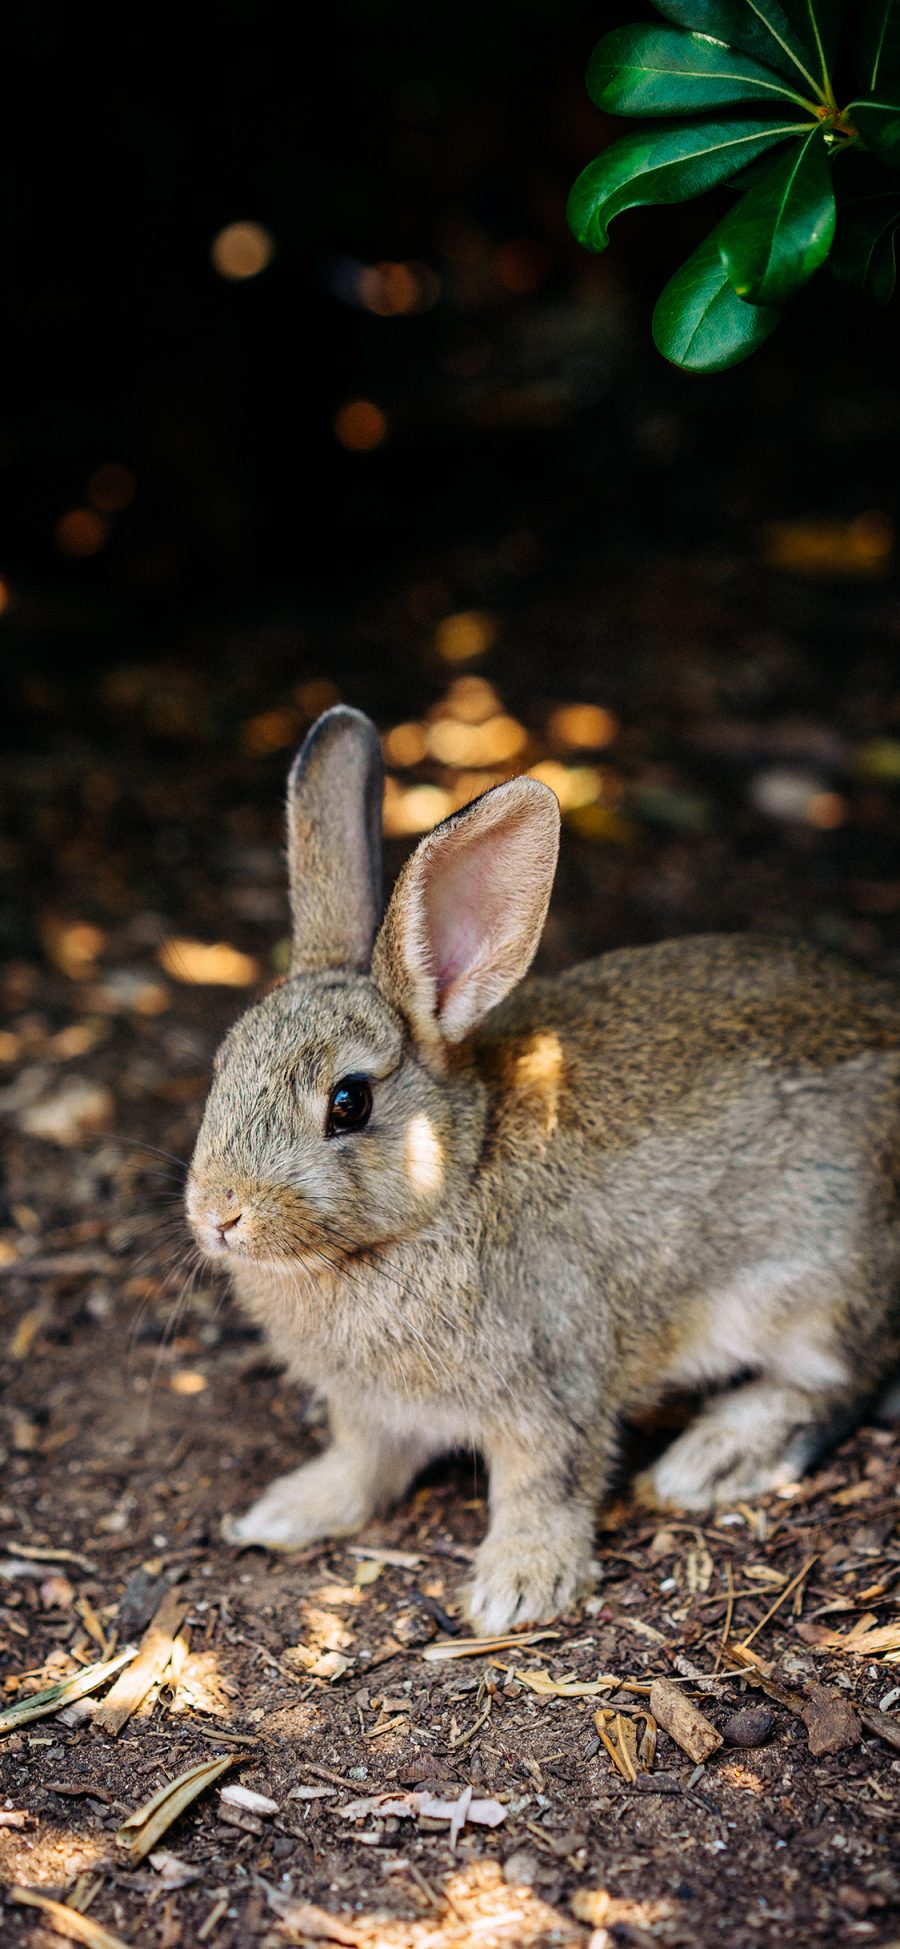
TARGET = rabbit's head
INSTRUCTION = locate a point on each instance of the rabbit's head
(343, 1112)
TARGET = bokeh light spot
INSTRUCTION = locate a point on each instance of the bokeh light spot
(824, 548)
(472, 700)
(469, 633)
(360, 426)
(81, 533)
(212, 964)
(494, 742)
(317, 694)
(583, 726)
(242, 250)
(574, 785)
(405, 745)
(271, 731)
(410, 809)
(827, 810)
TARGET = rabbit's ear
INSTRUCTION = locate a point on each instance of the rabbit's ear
(467, 912)
(334, 843)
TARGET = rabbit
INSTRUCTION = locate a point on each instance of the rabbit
(475, 1211)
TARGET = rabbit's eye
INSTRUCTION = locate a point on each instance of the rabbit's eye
(350, 1106)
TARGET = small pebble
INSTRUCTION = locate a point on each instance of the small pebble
(752, 1726)
(413, 1628)
(521, 1868)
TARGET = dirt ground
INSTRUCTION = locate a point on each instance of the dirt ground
(747, 775)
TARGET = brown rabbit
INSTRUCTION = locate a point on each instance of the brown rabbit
(474, 1213)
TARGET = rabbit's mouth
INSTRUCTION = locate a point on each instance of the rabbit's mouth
(226, 1222)
(234, 1222)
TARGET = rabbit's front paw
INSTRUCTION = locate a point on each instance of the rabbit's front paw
(525, 1580)
(323, 1498)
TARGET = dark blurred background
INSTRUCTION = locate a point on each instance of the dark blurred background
(308, 392)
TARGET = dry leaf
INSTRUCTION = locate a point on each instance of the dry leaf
(479, 1647)
(76, 1111)
(201, 1686)
(864, 1643)
(564, 1688)
(315, 1664)
(40, 1704)
(142, 1829)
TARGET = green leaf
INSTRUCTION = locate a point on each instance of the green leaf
(817, 24)
(878, 123)
(700, 323)
(757, 170)
(760, 28)
(876, 56)
(663, 165)
(662, 71)
(865, 253)
(781, 231)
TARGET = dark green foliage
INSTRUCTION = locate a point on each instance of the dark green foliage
(802, 165)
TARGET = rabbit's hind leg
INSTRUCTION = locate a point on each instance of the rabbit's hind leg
(755, 1438)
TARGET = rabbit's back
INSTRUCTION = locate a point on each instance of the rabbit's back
(714, 1125)
(674, 1023)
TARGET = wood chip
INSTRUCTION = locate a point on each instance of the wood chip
(149, 1667)
(424, 1806)
(172, 1871)
(830, 1721)
(68, 1921)
(236, 1795)
(683, 1721)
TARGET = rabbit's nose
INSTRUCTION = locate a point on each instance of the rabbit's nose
(224, 1225)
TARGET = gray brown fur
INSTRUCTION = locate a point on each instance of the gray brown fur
(671, 1167)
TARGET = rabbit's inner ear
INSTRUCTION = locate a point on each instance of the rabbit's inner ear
(334, 843)
(467, 912)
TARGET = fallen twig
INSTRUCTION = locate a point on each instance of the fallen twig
(69, 1921)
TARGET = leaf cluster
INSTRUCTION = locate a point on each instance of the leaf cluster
(795, 104)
